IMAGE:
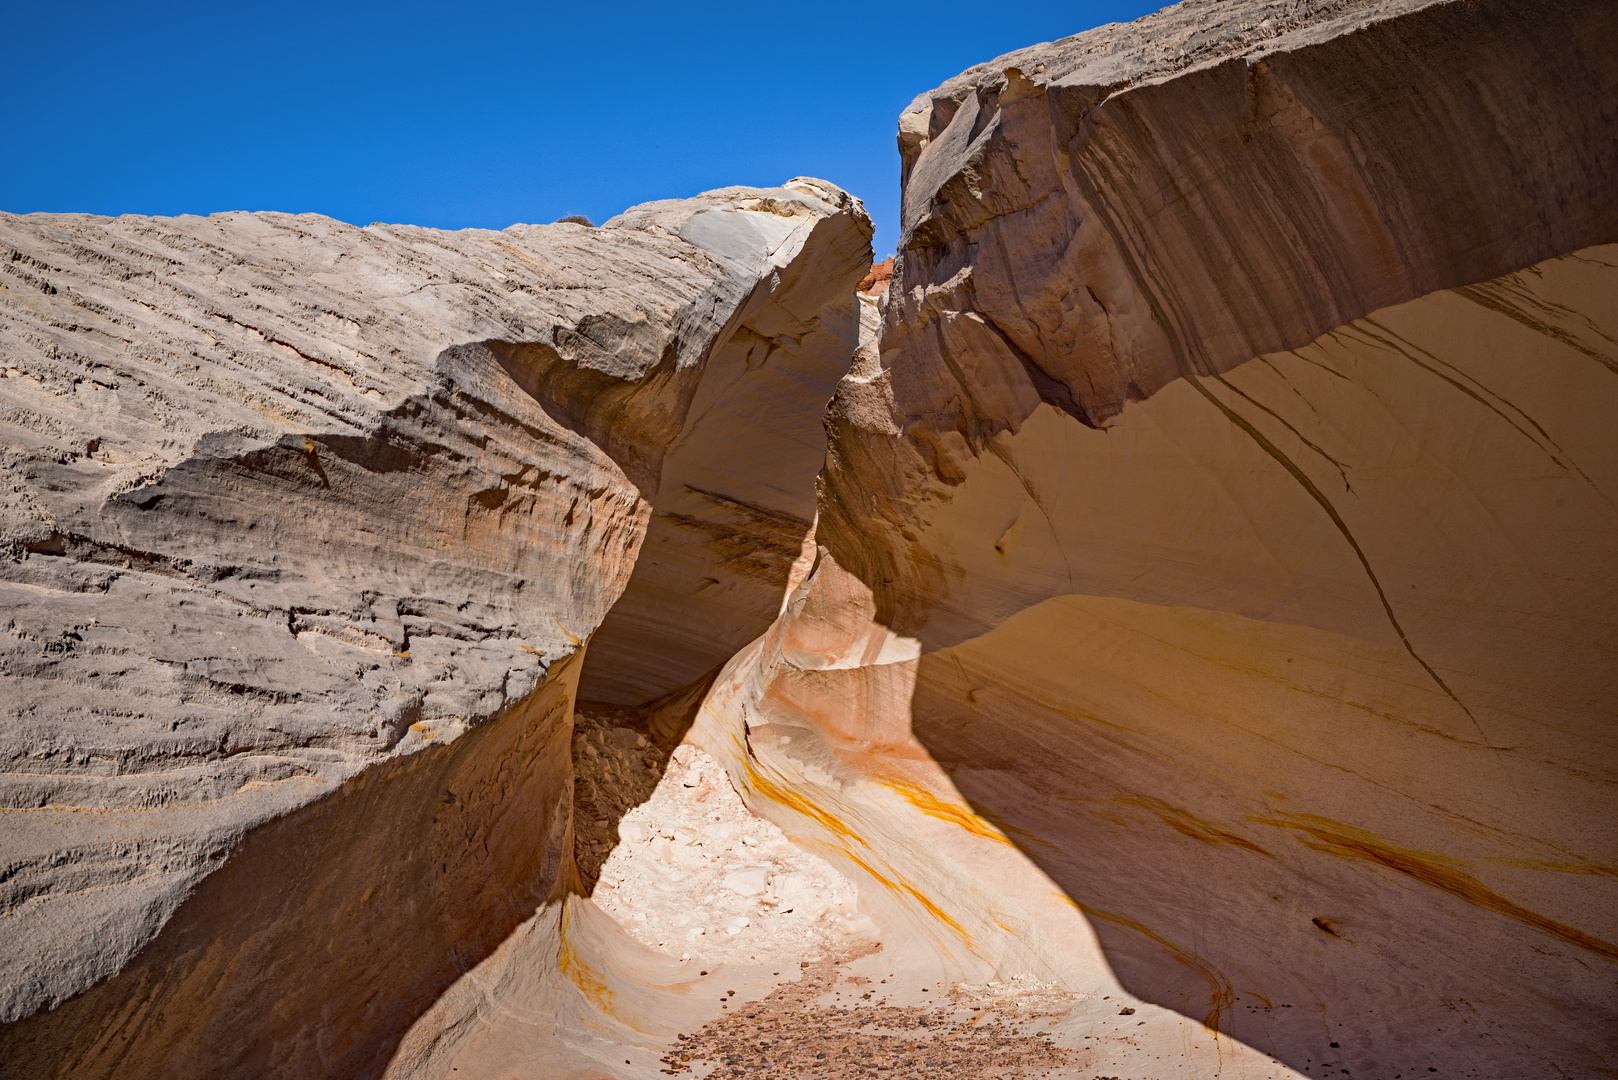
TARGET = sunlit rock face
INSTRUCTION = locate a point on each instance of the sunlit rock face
(1190, 627)
(1217, 590)
(305, 528)
(735, 508)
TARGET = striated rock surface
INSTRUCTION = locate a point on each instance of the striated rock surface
(737, 502)
(305, 526)
(1217, 595)
(1197, 654)
(1227, 180)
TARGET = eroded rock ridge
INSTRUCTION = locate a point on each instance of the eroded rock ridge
(306, 527)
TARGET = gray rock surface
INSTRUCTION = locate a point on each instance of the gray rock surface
(288, 504)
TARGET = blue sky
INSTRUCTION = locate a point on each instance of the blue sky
(475, 114)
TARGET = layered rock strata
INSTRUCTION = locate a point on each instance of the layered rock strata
(1199, 654)
(306, 526)
(736, 506)
(1216, 594)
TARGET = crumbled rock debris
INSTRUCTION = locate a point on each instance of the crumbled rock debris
(793, 1034)
(616, 766)
(668, 849)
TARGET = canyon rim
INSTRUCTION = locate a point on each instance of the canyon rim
(1162, 625)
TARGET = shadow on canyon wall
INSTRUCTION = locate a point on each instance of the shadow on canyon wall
(1301, 838)
(1185, 843)
(330, 930)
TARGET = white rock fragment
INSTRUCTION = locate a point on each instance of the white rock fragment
(748, 881)
(858, 924)
(696, 872)
(721, 831)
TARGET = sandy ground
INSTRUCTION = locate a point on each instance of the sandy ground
(687, 869)
(802, 985)
(833, 1024)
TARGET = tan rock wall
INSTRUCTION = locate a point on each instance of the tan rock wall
(1207, 185)
(737, 501)
(1358, 762)
(329, 930)
(1217, 592)
(305, 528)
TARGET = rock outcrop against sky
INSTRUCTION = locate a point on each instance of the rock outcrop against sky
(1167, 619)
(1216, 594)
(307, 525)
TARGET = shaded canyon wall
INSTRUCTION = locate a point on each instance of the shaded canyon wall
(1216, 587)
(307, 527)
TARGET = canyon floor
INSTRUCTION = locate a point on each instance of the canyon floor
(669, 851)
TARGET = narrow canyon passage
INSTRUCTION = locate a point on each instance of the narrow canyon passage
(689, 872)
(1163, 623)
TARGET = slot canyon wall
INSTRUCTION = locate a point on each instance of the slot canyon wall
(306, 526)
(1217, 586)
(1199, 595)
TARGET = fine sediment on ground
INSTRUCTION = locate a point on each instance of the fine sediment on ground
(306, 525)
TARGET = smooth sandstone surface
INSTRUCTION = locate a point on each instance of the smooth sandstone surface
(736, 506)
(1217, 592)
(1198, 650)
(306, 526)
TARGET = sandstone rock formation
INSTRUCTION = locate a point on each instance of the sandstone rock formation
(1191, 629)
(737, 499)
(1216, 589)
(305, 527)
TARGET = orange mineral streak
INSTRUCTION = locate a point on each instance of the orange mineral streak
(1589, 869)
(1438, 871)
(833, 824)
(1188, 824)
(1221, 995)
(902, 887)
(957, 814)
(580, 974)
(795, 802)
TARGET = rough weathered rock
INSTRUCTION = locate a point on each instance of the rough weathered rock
(1217, 594)
(1229, 180)
(1203, 638)
(306, 526)
(737, 502)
